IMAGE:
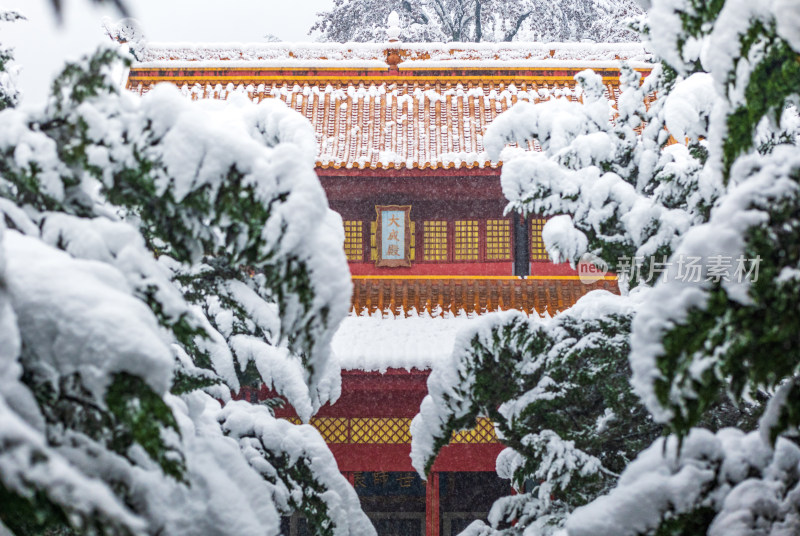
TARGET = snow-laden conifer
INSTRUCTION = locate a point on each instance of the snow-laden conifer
(692, 340)
(9, 94)
(158, 254)
(622, 193)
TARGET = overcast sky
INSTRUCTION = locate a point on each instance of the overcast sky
(42, 46)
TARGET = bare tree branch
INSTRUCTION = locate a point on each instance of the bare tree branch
(511, 33)
(480, 20)
(478, 27)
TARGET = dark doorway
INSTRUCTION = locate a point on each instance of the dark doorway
(394, 501)
(465, 497)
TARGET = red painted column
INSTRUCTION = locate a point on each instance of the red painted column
(432, 505)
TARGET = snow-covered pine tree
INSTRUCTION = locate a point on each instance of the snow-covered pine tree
(9, 94)
(692, 340)
(480, 20)
(153, 248)
(558, 388)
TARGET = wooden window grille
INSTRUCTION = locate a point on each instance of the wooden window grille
(466, 243)
(354, 240)
(482, 433)
(332, 429)
(434, 236)
(389, 430)
(386, 430)
(498, 240)
(538, 253)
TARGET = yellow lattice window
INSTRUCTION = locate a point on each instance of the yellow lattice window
(498, 240)
(435, 240)
(354, 240)
(466, 240)
(332, 429)
(389, 430)
(482, 433)
(538, 253)
(380, 430)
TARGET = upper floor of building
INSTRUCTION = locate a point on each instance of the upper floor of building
(400, 132)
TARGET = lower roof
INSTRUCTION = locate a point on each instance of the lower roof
(397, 326)
(414, 342)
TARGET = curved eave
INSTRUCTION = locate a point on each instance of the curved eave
(403, 166)
(403, 67)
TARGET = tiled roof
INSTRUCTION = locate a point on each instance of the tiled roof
(429, 111)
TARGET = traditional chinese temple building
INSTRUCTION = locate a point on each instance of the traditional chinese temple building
(400, 131)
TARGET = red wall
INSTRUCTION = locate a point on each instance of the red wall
(394, 393)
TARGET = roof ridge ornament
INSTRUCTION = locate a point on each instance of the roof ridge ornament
(393, 30)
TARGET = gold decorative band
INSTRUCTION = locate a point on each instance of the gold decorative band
(390, 431)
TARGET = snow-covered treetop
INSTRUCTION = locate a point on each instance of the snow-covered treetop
(480, 20)
(155, 255)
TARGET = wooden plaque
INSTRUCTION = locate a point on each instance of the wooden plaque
(393, 236)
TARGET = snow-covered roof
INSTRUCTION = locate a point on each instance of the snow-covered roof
(373, 55)
(379, 343)
(428, 107)
(404, 325)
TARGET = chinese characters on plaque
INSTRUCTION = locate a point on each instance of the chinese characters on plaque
(383, 482)
(393, 235)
